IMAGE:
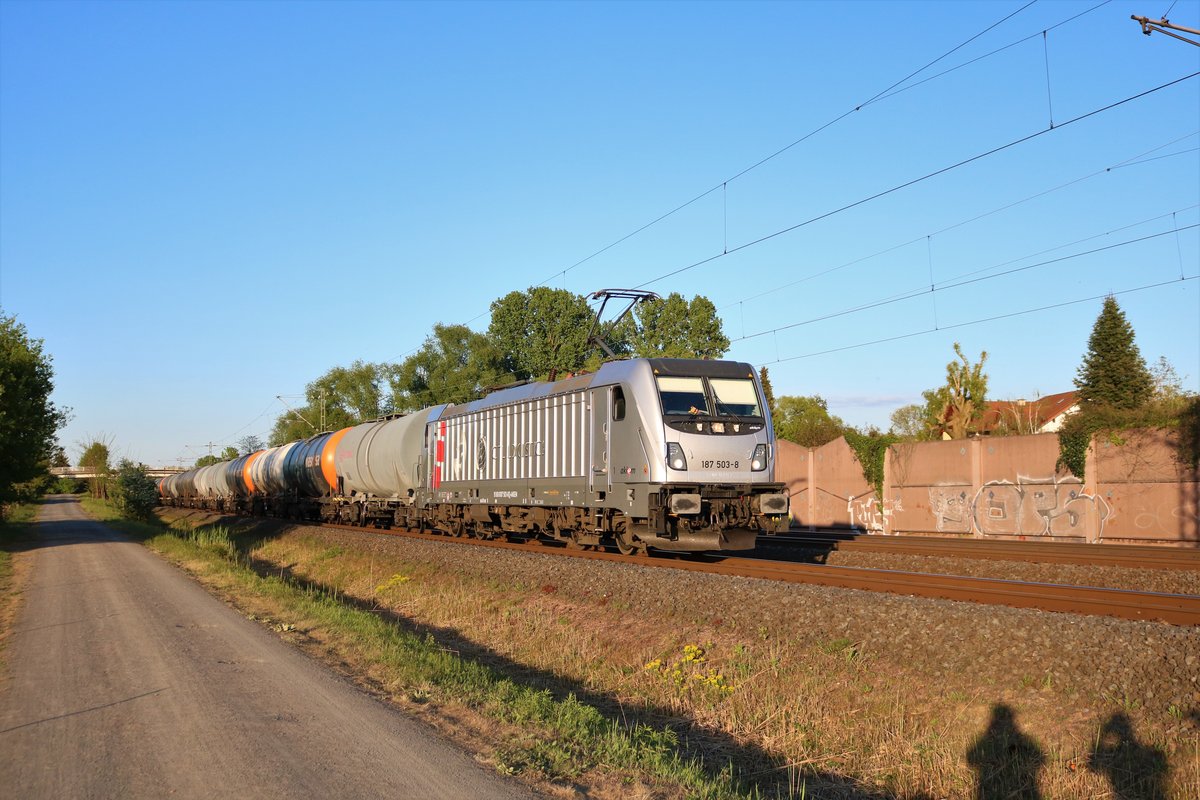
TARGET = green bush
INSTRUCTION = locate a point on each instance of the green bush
(1180, 413)
(132, 491)
(870, 448)
(68, 485)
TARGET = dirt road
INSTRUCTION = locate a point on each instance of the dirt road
(126, 679)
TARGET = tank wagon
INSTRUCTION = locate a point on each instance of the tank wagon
(671, 454)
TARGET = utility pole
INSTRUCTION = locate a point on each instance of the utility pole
(1162, 26)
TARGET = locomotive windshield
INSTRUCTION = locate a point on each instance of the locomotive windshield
(683, 395)
(735, 397)
(710, 398)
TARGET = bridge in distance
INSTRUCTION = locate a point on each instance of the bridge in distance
(89, 472)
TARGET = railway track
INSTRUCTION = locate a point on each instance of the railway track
(1138, 556)
(1176, 609)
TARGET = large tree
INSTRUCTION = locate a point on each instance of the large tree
(28, 418)
(956, 408)
(541, 330)
(806, 421)
(454, 365)
(678, 328)
(94, 458)
(1113, 372)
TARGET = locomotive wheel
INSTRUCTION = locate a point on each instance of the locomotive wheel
(626, 545)
(457, 527)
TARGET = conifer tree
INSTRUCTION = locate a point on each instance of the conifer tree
(1113, 372)
(765, 379)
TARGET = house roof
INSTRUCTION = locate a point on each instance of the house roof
(1031, 414)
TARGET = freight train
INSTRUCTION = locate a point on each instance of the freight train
(668, 454)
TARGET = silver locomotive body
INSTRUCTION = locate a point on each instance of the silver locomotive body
(675, 454)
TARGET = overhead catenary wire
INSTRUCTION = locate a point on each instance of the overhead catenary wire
(894, 89)
(915, 181)
(960, 281)
(857, 107)
(1131, 161)
(991, 53)
(899, 337)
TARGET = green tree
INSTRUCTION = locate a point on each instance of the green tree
(806, 421)
(28, 418)
(250, 444)
(957, 407)
(540, 330)
(768, 391)
(342, 397)
(1113, 372)
(676, 328)
(132, 491)
(94, 458)
(908, 422)
(455, 365)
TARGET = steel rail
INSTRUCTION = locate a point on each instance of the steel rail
(1176, 609)
(1138, 556)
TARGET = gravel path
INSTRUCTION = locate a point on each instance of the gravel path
(129, 680)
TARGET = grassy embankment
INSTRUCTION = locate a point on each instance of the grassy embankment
(502, 664)
(13, 530)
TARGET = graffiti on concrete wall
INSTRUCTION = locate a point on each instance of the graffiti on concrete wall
(1027, 507)
(951, 508)
(868, 513)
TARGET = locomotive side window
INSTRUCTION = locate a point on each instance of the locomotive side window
(618, 401)
(735, 397)
(683, 395)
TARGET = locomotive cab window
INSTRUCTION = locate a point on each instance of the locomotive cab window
(618, 401)
(682, 396)
(735, 397)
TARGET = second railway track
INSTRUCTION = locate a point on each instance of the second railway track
(1135, 556)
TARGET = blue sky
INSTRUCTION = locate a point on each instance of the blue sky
(205, 205)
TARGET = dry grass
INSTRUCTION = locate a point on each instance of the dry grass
(14, 570)
(794, 713)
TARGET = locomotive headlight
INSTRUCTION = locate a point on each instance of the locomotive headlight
(758, 462)
(675, 457)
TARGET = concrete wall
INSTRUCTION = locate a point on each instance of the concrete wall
(1151, 496)
(826, 485)
(1136, 491)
